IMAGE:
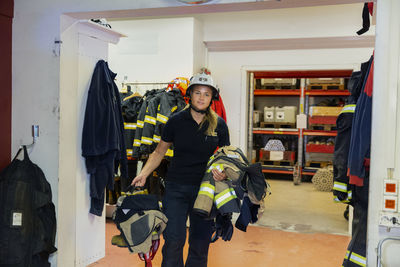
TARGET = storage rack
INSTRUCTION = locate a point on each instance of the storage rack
(304, 96)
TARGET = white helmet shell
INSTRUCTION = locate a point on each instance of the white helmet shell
(203, 79)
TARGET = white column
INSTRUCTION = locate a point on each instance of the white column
(385, 142)
(81, 235)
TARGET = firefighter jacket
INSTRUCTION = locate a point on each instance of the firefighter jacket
(241, 179)
(342, 190)
(158, 111)
(140, 122)
(360, 142)
(130, 112)
(170, 103)
(156, 108)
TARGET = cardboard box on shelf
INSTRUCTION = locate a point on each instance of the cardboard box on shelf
(325, 111)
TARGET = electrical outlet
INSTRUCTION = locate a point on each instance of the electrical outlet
(389, 219)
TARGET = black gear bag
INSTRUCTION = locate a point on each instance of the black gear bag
(27, 215)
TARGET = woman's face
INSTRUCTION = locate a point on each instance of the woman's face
(201, 96)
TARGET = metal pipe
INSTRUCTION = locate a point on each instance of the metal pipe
(379, 249)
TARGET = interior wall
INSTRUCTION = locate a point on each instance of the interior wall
(36, 69)
(6, 18)
(305, 22)
(153, 51)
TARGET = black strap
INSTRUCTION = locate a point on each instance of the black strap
(26, 156)
(366, 22)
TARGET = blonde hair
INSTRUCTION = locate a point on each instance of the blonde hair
(212, 118)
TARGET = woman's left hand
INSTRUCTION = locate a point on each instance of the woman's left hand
(218, 176)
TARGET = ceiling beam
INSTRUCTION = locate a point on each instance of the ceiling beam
(183, 10)
(292, 43)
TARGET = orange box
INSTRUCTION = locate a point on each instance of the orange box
(390, 187)
(390, 203)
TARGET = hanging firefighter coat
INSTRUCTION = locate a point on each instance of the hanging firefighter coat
(27, 215)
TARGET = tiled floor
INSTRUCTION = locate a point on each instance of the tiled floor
(258, 247)
(300, 222)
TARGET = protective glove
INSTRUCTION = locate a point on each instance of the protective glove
(223, 228)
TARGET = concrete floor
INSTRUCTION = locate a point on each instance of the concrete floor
(301, 208)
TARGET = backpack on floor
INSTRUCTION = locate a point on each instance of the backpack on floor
(27, 215)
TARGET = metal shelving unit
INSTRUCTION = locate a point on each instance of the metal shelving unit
(303, 94)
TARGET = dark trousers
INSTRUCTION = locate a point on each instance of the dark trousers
(356, 250)
(177, 206)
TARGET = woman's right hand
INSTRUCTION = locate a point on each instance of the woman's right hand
(139, 180)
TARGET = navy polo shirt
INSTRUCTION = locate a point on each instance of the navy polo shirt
(192, 148)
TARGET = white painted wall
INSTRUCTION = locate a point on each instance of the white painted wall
(327, 21)
(36, 69)
(155, 50)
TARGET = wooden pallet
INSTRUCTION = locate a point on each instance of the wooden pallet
(277, 125)
(323, 127)
(325, 87)
(318, 164)
(278, 162)
(279, 87)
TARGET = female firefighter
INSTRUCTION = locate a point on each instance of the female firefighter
(195, 133)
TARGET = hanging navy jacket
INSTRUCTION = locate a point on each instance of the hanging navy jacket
(360, 144)
(103, 144)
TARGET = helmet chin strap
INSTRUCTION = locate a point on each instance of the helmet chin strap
(202, 111)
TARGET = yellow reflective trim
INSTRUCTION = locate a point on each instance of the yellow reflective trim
(350, 194)
(347, 255)
(358, 259)
(174, 108)
(207, 184)
(150, 119)
(156, 138)
(170, 153)
(136, 142)
(159, 107)
(348, 109)
(140, 124)
(129, 126)
(217, 166)
(224, 197)
(162, 118)
(211, 158)
(129, 152)
(146, 140)
(342, 187)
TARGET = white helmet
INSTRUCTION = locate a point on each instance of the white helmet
(203, 79)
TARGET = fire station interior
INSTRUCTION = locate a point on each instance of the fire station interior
(282, 101)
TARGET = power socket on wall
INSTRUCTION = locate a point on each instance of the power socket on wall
(389, 219)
